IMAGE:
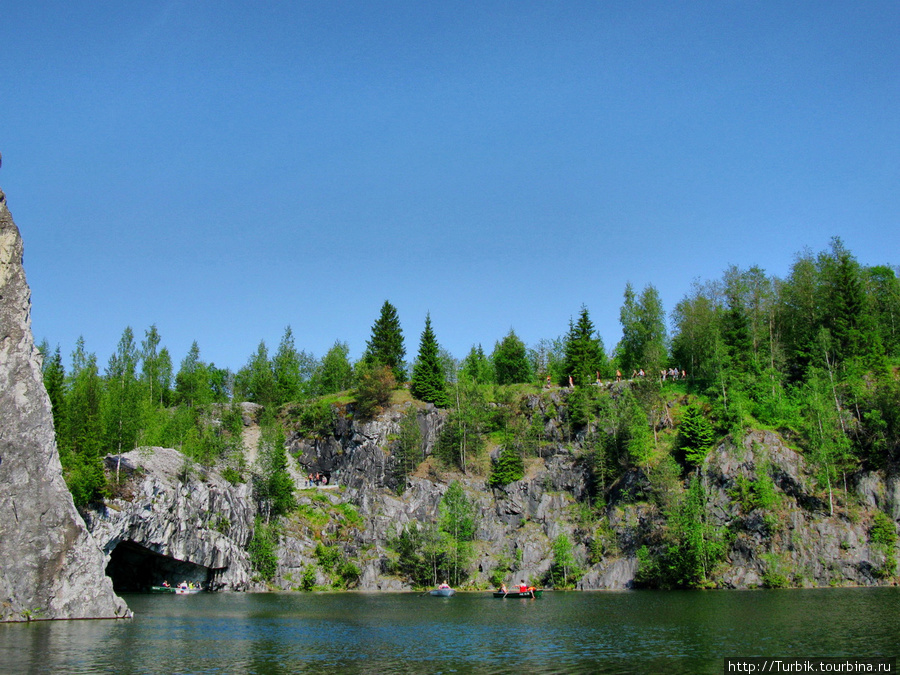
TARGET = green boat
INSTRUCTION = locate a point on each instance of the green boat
(531, 593)
(162, 589)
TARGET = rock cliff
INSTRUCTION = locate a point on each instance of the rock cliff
(171, 520)
(801, 538)
(50, 566)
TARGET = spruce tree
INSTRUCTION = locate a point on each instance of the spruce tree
(584, 356)
(386, 348)
(428, 382)
(511, 360)
(696, 436)
(476, 368)
(55, 381)
(286, 368)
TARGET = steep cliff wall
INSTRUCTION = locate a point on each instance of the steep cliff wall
(799, 538)
(50, 566)
(173, 521)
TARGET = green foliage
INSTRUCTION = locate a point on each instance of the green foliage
(232, 475)
(643, 344)
(457, 520)
(428, 383)
(548, 360)
(883, 537)
(511, 361)
(85, 478)
(308, 579)
(273, 487)
(501, 571)
(335, 373)
(287, 370)
(476, 368)
(463, 433)
(408, 446)
(385, 347)
(192, 382)
(420, 553)
(156, 368)
(373, 391)
(256, 381)
(584, 358)
(343, 572)
(262, 549)
(776, 573)
(314, 419)
(757, 493)
(692, 545)
(564, 571)
(695, 436)
(55, 382)
(639, 439)
(508, 468)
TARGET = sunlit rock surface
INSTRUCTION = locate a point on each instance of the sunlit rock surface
(172, 520)
(50, 566)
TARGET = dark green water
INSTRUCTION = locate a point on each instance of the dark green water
(631, 632)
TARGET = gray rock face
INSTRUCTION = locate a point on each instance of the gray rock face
(50, 566)
(174, 522)
(802, 540)
(809, 543)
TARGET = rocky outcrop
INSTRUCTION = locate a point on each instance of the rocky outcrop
(358, 455)
(800, 539)
(805, 538)
(50, 566)
(174, 521)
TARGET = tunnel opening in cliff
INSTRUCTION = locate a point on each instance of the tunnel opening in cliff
(135, 568)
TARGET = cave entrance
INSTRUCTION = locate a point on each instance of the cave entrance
(134, 568)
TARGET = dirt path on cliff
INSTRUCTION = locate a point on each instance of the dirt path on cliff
(250, 436)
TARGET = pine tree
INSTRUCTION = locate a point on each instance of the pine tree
(80, 447)
(476, 368)
(510, 359)
(695, 436)
(428, 383)
(55, 381)
(287, 370)
(386, 344)
(584, 356)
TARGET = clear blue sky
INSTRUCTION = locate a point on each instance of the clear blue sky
(224, 169)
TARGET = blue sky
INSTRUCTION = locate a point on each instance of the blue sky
(224, 169)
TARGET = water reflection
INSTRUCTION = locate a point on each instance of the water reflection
(675, 632)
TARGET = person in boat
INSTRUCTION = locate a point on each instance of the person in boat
(523, 588)
(502, 588)
(444, 585)
(166, 584)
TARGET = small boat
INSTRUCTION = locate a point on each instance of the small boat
(185, 589)
(529, 593)
(162, 589)
(442, 591)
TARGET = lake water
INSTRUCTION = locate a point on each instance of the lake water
(629, 632)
